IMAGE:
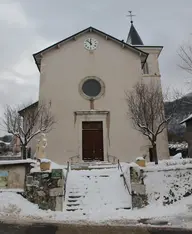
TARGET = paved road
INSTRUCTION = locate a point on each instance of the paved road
(36, 228)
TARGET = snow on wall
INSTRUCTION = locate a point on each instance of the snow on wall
(174, 163)
(168, 185)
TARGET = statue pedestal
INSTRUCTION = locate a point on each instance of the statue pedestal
(45, 164)
(141, 162)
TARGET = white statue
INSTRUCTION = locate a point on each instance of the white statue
(41, 146)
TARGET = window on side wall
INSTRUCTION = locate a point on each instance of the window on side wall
(146, 68)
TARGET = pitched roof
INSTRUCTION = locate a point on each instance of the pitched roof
(186, 119)
(21, 112)
(38, 56)
(133, 36)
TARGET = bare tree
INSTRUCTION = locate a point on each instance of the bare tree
(146, 110)
(28, 122)
(185, 53)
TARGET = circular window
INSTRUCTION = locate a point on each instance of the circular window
(91, 87)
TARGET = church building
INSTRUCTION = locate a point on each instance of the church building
(85, 77)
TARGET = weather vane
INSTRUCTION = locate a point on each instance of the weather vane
(131, 16)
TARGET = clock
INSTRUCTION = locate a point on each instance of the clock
(90, 44)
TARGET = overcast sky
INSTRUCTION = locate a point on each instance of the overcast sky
(27, 26)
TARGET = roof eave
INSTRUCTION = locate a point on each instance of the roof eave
(23, 110)
(185, 121)
(157, 47)
(182, 122)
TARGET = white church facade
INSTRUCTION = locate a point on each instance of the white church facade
(85, 77)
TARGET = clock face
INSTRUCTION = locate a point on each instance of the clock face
(90, 44)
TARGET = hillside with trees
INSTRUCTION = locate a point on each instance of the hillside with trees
(183, 110)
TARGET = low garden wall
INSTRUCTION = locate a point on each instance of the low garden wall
(10, 157)
(168, 183)
(46, 189)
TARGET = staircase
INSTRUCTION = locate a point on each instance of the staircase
(96, 189)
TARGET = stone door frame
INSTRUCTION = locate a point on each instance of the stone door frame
(92, 115)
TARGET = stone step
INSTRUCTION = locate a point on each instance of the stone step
(95, 163)
(72, 192)
(74, 196)
(73, 204)
(123, 208)
(92, 165)
(72, 200)
(71, 209)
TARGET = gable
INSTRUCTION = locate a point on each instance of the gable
(38, 56)
(151, 49)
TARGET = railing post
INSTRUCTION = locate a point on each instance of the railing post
(68, 166)
(65, 185)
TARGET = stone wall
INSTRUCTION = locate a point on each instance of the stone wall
(12, 157)
(163, 185)
(168, 185)
(138, 188)
(46, 189)
(12, 176)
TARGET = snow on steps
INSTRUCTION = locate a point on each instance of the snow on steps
(92, 165)
(91, 190)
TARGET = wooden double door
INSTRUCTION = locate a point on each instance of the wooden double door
(92, 141)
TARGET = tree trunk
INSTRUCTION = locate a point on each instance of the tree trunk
(24, 151)
(154, 150)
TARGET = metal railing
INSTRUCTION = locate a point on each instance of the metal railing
(65, 181)
(116, 160)
(124, 179)
(74, 159)
(112, 159)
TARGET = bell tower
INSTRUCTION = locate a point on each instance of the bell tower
(133, 37)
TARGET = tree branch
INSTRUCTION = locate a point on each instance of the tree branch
(145, 104)
(34, 120)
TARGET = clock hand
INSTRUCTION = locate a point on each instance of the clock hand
(90, 42)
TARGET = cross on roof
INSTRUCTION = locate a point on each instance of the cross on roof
(131, 16)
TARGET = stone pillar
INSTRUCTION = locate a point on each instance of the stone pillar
(138, 189)
(46, 189)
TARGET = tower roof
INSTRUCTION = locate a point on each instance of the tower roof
(133, 36)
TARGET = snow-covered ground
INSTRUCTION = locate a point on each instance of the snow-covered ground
(169, 181)
(14, 206)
